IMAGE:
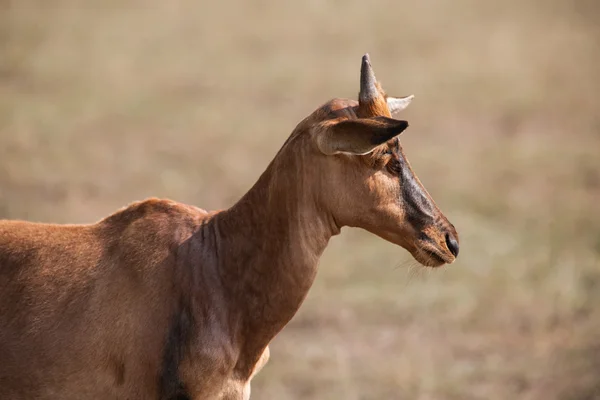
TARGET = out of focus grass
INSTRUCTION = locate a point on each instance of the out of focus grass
(103, 103)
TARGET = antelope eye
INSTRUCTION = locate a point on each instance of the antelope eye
(394, 165)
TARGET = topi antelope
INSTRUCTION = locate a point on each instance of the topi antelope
(161, 300)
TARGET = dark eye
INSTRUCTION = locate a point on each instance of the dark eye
(394, 166)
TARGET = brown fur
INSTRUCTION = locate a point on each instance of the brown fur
(166, 301)
(375, 107)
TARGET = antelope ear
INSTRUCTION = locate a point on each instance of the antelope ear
(357, 136)
(396, 104)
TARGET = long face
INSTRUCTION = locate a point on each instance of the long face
(367, 180)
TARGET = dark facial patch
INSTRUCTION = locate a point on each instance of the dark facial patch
(418, 206)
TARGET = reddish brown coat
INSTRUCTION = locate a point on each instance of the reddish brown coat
(166, 301)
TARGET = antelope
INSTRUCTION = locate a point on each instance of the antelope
(163, 300)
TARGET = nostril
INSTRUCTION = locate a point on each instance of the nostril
(452, 244)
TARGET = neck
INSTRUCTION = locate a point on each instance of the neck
(269, 245)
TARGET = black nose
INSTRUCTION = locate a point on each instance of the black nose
(452, 244)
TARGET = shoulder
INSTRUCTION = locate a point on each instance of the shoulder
(154, 207)
(155, 216)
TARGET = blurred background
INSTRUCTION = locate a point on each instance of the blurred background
(106, 102)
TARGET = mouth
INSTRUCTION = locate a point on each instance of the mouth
(432, 257)
(425, 252)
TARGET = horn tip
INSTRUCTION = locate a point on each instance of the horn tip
(366, 59)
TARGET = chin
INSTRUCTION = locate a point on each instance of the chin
(430, 262)
(430, 258)
(423, 253)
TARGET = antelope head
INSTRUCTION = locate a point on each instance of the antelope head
(364, 178)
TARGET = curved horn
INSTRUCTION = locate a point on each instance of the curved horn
(396, 104)
(368, 82)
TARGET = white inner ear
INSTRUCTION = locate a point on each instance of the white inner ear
(396, 104)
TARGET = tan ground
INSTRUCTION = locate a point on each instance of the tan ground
(106, 102)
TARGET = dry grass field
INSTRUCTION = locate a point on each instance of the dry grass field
(107, 102)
